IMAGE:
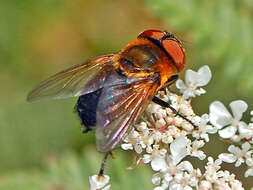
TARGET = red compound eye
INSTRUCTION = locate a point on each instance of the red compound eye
(170, 44)
(174, 49)
(155, 34)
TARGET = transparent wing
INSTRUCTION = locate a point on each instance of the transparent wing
(72, 81)
(119, 107)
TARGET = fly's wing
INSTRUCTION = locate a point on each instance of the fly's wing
(72, 81)
(119, 107)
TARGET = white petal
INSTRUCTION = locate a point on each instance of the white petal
(191, 78)
(205, 117)
(127, 146)
(149, 149)
(198, 144)
(146, 158)
(204, 185)
(134, 134)
(200, 91)
(178, 145)
(219, 115)
(163, 151)
(233, 149)
(178, 148)
(187, 188)
(167, 177)
(238, 107)
(142, 126)
(249, 161)
(156, 179)
(246, 146)
(205, 75)
(210, 129)
(245, 130)
(158, 163)
(160, 123)
(138, 148)
(229, 158)
(107, 187)
(236, 138)
(185, 166)
(188, 93)
(239, 162)
(199, 154)
(205, 137)
(210, 159)
(249, 172)
(176, 186)
(180, 85)
(158, 188)
(98, 182)
(228, 132)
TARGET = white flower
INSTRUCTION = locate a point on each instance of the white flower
(195, 152)
(186, 166)
(205, 185)
(194, 80)
(98, 182)
(220, 117)
(227, 181)
(181, 175)
(218, 179)
(160, 123)
(156, 179)
(249, 172)
(127, 146)
(138, 140)
(246, 131)
(251, 113)
(156, 158)
(153, 108)
(167, 138)
(203, 129)
(238, 155)
(164, 139)
(236, 184)
(211, 169)
(158, 163)
(179, 148)
(181, 182)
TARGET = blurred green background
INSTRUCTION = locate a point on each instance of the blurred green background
(41, 145)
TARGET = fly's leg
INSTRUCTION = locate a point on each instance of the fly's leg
(162, 103)
(169, 82)
(86, 130)
(167, 105)
(101, 171)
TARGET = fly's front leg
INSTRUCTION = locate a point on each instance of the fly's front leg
(169, 82)
(167, 105)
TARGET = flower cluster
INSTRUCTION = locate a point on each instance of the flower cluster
(238, 132)
(164, 140)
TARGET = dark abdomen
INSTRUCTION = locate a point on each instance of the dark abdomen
(86, 108)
